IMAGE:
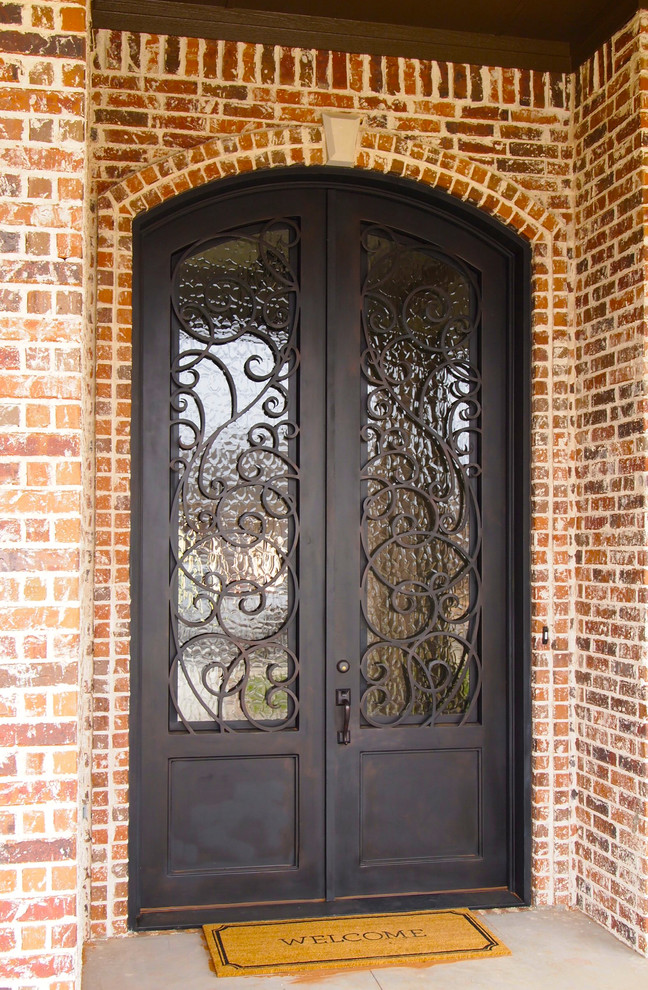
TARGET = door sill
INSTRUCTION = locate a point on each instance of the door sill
(193, 916)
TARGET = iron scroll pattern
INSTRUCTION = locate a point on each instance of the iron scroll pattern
(234, 522)
(421, 526)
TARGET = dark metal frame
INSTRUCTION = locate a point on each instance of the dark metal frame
(518, 253)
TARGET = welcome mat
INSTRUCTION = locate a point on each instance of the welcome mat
(357, 941)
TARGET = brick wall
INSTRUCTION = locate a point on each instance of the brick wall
(558, 159)
(154, 95)
(42, 466)
(610, 664)
(172, 113)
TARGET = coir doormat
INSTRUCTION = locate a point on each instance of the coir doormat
(359, 941)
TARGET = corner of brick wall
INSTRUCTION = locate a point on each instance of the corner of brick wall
(44, 466)
(610, 664)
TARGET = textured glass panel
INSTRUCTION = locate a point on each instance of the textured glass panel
(420, 515)
(234, 481)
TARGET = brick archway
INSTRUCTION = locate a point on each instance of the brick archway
(378, 151)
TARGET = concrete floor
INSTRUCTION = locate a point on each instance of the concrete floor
(551, 950)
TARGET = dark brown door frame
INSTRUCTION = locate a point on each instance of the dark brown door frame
(516, 255)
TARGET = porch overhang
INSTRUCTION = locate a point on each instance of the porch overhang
(552, 36)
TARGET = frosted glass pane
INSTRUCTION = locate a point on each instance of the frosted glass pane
(420, 515)
(234, 586)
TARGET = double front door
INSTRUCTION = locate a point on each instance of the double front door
(326, 656)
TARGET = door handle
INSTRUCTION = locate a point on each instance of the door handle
(343, 700)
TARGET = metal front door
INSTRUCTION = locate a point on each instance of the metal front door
(327, 664)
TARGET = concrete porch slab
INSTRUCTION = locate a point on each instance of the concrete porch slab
(551, 950)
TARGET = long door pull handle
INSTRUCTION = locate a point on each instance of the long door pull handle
(343, 700)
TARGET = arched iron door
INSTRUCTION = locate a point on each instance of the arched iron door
(329, 664)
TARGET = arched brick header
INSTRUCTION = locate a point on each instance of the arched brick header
(380, 151)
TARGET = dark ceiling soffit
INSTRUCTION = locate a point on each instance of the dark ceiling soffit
(329, 34)
(610, 20)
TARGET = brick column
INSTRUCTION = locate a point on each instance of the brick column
(43, 462)
(610, 664)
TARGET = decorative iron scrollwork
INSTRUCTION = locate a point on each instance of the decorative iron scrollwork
(234, 521)
(421, 527)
